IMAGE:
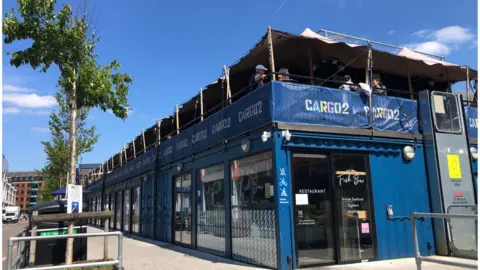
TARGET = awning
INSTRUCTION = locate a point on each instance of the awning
(60, 191)
(292, 50)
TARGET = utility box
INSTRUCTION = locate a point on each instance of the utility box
(53, 251)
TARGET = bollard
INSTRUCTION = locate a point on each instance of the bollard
(105, 240)
(33, 244)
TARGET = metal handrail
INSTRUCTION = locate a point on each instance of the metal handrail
(418, 256)
(118, 262)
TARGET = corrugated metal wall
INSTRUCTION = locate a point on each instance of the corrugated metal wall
(147, 210)
(403, 185)
(164, 207)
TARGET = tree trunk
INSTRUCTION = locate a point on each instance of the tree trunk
(73, 161)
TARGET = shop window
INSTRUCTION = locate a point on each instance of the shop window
(136, 209)
(126, 211)
(253, 210)
(211, 210)
(183, 209)
(118, 210)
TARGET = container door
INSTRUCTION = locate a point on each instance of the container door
(313, 214)
(182, 221)
(333, 210)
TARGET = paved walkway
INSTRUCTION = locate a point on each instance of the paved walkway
(154, 255)
(151, 255)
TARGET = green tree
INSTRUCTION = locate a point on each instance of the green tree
(57, 149)
(60, 38)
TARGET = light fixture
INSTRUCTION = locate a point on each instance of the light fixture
(474, 152)
(179, 167)
(287, 135)
(266, 135)
(246, 145)
(408, 152)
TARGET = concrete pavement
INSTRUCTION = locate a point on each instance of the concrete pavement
(152, 255)
(9, 230)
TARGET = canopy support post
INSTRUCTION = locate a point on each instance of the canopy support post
(226, 73)
(468, 83)
(158, 133)
(144, 143)
(270, 53)
(120, 155)
(201, 104)
(369, 82)
(176, 119)
(134, 152)
(125, 151)
(449, 90)
(409, 77)
(310, 65)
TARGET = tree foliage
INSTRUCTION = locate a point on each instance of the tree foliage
(57, 149)
(62, 39)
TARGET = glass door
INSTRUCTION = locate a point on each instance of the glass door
(333, 213)
(353, 206)
(183, 209)
(313, 210)
(126, 210)
(118, 210)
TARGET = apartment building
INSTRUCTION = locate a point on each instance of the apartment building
(28, 185)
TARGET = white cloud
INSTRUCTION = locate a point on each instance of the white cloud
(40, 129)
(422, 33)
(391, 32)
(473, 45)
(442, 41)
(30, 100)
(11, 110)
(14, 88)
(452, 34)
(431, 47)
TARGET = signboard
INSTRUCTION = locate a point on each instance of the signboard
(248, 113)
(471, 115)
(454, 169)
(52, 233)
(317, 105)
(74, 198)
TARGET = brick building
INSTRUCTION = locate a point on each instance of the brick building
(28, 185)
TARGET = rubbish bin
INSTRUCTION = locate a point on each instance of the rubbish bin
(53, 251)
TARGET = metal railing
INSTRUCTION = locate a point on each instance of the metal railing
(20, 250)
(15, 263)
(418, 256)
(340, 37)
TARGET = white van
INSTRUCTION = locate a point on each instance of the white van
(11, 214)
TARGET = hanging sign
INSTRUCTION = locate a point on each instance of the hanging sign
(74, 198)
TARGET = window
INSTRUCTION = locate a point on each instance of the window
(183, 208)
(126, 210)
(136, 209)
(253, 210)
(210, 210)
(447, 115)
(118, 210)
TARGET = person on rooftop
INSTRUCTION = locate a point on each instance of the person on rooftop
(378, 88)
(258, 78)
(347, 84)
(283, 76)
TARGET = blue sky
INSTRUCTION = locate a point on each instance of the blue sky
(173, 48)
